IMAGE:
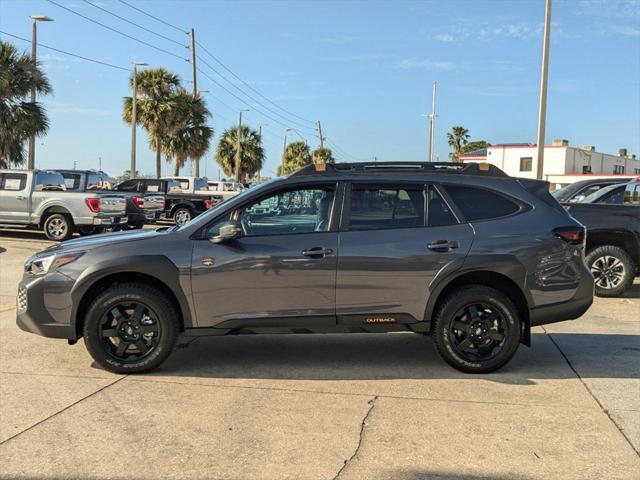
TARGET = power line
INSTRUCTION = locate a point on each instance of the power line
(151, 16)
(252, 97)
(250, 87)
(67, 53)
(118, 31)
(134, 24)
(340, 150)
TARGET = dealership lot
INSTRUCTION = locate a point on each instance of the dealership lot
(301, 406)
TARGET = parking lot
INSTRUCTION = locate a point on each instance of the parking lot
(322, 406)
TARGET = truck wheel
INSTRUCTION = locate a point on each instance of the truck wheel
(612, 270)
(84, 231)
(130, 328)
(476, 329)
(58, 227)
(182, 215)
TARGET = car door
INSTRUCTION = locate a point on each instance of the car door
(394, 239)
(281, 272)
(14, 198)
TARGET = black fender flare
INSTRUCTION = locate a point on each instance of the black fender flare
(158, 267)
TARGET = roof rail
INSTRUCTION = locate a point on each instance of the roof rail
(484, 169)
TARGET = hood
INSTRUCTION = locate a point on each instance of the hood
(99, 240)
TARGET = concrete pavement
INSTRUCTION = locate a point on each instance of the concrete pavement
(322, 407)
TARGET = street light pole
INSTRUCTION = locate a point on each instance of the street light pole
(239, 146)
(134, 118)
(542, 110)
(31, 162)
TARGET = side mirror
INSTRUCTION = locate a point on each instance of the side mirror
(229, 231)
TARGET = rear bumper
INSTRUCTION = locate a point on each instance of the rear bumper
(569, 310)
(33, 317)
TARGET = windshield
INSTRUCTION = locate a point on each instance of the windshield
(597, 195)
(233, 200)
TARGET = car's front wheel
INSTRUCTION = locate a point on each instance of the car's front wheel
(130, 328)
(476, 329)
(612, 270)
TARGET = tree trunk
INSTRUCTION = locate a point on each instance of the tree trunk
(158, 159)
(176, 170)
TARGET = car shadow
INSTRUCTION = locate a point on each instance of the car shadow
(391, 357)
(633, 292)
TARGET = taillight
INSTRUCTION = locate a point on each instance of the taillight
(208, 203)
(138, 202)
(93, 204)
(572, 235)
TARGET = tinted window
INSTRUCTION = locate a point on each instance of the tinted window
(49, 181)
(381, 207)
(98, 181)
(13, 181)
(293, 211)
(616, 197)
(71, 180)
(480, 204)
(128, 186)
(152, 186)
(438, 213)
(201, 184)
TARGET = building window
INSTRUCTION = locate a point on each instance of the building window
(636, 170)
(526, 164)
(586, 169)
(618, 169)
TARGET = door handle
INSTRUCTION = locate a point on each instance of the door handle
(443, 245)
(317, 252)
(21, 197)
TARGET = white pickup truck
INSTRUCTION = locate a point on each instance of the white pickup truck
(39, 199)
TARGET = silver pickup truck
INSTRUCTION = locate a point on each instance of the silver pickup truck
(39, 199)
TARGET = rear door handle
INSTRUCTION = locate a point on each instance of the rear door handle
(317, 252)
(443, 245)
(21, 197)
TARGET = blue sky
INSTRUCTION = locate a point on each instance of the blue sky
(364, 68)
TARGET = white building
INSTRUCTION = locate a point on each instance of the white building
(562, 164)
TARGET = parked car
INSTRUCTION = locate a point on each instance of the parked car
(178, 205)
(191, 185)
(223, 190)
(612, 194)
(40, 199)
(613, 240)
(577, 191)
(459, 251)
(141, 208)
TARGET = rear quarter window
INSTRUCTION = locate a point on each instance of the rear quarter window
(481, 204)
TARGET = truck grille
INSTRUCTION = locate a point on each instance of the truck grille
(21, 300)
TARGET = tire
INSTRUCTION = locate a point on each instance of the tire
(130, 328)
(84, 231)
(476, 329)
(182, 215)
(58, 227)
(135, 226)
(612, 269)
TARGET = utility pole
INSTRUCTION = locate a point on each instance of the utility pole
(239, 145)
(284, 149)
(542, 110)
(99, 164)
(192, 33)
(134, 118)
(432, 122)
(31, 162)
(320, 132)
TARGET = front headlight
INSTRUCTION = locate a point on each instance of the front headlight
(42, 265)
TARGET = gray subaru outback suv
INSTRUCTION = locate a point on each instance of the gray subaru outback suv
(459, 251)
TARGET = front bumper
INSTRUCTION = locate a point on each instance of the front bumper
(32, 315)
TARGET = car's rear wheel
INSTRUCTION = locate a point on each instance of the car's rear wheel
(182, 215)
(58, 227)
(612, 270)
(477, 329)
(130, 328)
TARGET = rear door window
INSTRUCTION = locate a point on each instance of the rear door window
(438, 212)
(71, 180)
(481, 204)
(128, 186)
(376, 207)
(13, 181)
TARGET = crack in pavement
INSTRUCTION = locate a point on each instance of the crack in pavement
(63, 409)
(624, 435)
(372, 403)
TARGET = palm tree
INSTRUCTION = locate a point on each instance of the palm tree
(251, 151)
(155, 87)
(19, 118)
(323, 155)
(188, 135)
(457, 139)
(295, 156)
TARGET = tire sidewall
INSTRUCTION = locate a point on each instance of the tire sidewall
(107, 300)
(179, 209)
(463, 298)
(65, 218)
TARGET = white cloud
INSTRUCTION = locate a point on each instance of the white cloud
(424, 63)
(62, 107)
(446, 37)
(625, 30)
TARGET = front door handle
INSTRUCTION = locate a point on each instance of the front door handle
(317, 252)
(443, 245)
(21, 197)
